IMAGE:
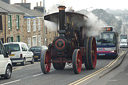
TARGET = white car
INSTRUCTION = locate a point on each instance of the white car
(123, 45)
(5, 63)
(19, 53)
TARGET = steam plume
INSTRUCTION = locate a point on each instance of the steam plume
(94, 25)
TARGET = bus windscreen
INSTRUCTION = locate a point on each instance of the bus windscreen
(105, 39)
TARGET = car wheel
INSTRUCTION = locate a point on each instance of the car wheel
(24, 62)
(32, 62)
(8, 72)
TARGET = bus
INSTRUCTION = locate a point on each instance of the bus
(107, 43)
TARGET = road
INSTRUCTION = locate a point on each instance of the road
(31, 74)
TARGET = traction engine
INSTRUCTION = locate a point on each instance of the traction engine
(71, 46)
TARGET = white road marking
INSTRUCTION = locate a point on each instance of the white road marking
(11, 82)
(37, 75)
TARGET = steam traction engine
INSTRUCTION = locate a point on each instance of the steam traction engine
(71, 46)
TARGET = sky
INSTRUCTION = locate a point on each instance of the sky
(81, 4)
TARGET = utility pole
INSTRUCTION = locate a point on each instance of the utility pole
(44, 24)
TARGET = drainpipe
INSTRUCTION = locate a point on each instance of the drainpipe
(5, 28)
(44, 24)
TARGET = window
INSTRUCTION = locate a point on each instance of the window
(10, 39)
(39, 40)
(23, 47)
(18, 38)
(34, 41)
(34, 25)
(17, 22)
(12, 47)
(38, 24)
(29, 42)
(1, 22)
(28, 25)
(9, 22)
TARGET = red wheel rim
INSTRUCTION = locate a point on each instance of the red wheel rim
(47, 62)
(79, 62)
(94, 53)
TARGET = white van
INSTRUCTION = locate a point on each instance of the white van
(19, 53)
(5, 63)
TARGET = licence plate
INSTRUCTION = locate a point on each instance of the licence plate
(12, 55)
(35, 56)
(101, 54)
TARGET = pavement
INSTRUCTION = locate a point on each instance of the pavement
(120, 74)
(117, 76)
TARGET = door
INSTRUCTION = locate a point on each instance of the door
(2, 64)
(3, 61)
(26, 53)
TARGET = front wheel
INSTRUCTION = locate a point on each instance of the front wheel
(32, 62)
(8, 72)
(45, 61)
(24, 62)
(77, 61)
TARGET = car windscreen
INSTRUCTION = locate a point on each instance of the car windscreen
(123, 43)
(12, 47)
(35, 48)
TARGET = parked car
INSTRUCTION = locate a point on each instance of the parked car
(19, 53)
(5, 63)
(37, 51)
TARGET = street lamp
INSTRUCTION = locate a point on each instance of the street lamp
(44, 24)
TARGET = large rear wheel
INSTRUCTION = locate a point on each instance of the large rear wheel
(45, 61)
(77, 61)
(91, 54)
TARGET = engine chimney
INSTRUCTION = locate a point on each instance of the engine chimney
(61, 17)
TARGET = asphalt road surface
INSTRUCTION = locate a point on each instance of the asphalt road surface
(31, 74)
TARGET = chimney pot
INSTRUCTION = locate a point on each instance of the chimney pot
(61, 8)
(21, 1)
(41, 3)
(24, 1)
(37, 4)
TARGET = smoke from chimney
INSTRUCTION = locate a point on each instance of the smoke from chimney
(94, 25)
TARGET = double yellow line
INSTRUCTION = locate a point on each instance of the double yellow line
(97, 72)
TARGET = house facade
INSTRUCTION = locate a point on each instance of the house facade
(21, 24)
(11, 23)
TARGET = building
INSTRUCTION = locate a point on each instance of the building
(11, 23)
(21, 24)
(34, 24)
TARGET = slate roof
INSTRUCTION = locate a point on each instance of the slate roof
(29, 12)
(2, 10)
(4, 7)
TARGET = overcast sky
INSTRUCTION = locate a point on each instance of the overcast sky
(81, 4)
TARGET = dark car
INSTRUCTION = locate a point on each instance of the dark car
(37, 51)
